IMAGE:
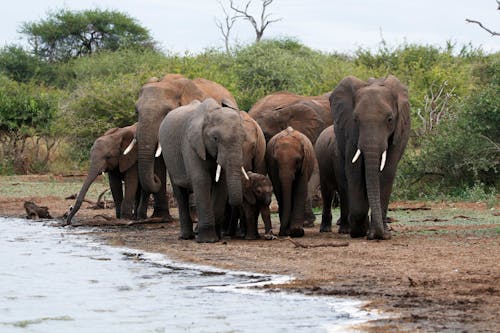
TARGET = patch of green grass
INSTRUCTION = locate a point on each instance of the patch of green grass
(16, 186)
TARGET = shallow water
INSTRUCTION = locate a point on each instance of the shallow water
(54, 280)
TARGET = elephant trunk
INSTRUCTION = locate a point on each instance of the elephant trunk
(233, 179)
(147, 139)
(92, 175)
(372, 177)
(286, 211)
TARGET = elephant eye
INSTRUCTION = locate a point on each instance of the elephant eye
(389, 119)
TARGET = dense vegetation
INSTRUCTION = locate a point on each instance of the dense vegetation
(52, 111)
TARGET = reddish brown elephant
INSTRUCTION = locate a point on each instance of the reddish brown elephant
(156, 99)
(290, 161)
(307, 114)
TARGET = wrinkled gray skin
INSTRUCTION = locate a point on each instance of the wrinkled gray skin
(327, 154)
(195, 138)
(290, 161)
(156, 99)
(106, 155)
(374, 117)
(254, 159)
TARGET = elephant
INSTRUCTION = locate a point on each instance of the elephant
(307, 114)
(327, 154)
(290, 160)
(254, 154)
(201, 141)
(106, 155)
(372, 127)
(257, 195)
(156, 99)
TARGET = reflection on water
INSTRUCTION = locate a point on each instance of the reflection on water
(52, 280)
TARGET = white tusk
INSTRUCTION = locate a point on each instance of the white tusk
(130, 146)
(382, 163)
(158, 150)
(356, 156)
(244, 173)
(217, 173)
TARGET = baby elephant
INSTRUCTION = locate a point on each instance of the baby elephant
(257, 194)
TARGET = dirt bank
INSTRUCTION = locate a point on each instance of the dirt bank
(439, 273)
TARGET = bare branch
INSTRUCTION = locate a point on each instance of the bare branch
(264, 18)
(225, 29)
(493, 33)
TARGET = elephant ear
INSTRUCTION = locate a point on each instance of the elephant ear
(195, 127)
(400, 94)
(125, 162)
(248, 194)
(342, 100)
(309, 159)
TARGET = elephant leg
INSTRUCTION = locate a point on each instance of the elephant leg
(312, 186)
(130, 184)
(206, 218)
(249, 219)
(341, 180)
(297, 217)
(326, 215)
(220, 206)
(358, 209)
(182, 197)
(386, 183)
(161, 199)
(142, 208)
(266, 218)
(115, 184)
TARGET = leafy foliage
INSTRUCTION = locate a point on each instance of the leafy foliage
(67, 34)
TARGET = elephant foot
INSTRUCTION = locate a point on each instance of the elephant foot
(384, 236)
(186, 236)
(357, 232)
(296, 232)
(252, 236)
(164, 215)
(326, 224)
(207, 235)
(309, 219)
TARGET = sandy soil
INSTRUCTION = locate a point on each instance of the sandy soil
(439, 273)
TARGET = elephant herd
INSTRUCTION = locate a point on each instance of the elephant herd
(228, 162)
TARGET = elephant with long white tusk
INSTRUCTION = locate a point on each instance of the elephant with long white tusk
(371, 124)
(199, 140)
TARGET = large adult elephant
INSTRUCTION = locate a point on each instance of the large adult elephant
(107, 155)
(290, 160)
(372, 127)
(254, 159)
(156, 99)
(307, 114)
(201, 142)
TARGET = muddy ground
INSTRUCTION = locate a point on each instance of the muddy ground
(439, 273)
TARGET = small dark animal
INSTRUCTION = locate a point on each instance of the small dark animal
(35, 212)
(257, 194)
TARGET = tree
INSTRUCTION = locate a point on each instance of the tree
(264, 18)
(493, 33)
(66, 34)
(226, 28)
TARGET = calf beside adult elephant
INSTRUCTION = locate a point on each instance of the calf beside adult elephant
(156, 99)
(202, 149)
(106, 155)
(306, 114)
(372, 127)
